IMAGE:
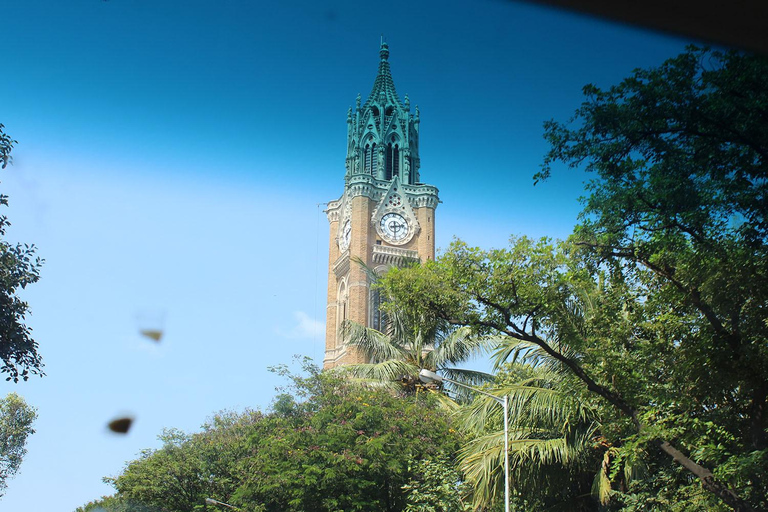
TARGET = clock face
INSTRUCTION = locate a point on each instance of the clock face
(346, 235)
(394, 227)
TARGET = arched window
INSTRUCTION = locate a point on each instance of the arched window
(378, 318)
(342, 309)
(374, 160)
(388, 115)
(392, 161)
(370, 158)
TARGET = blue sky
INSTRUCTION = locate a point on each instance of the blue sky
(171, 159)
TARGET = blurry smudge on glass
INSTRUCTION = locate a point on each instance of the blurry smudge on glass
(120, 425)
(151, 324)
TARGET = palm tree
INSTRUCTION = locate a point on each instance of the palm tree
(551, 437)
(397, 355)
(409, 343)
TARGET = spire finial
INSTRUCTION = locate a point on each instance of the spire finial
(384, 52)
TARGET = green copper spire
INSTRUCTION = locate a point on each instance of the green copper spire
(384, 83)
(382, 134)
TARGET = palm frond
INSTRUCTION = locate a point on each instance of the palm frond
(392, 370)
(397, 326)
(410, 342)
(376, 345)
(601, 486)
(549, 430)
(509, 350)
(373, 277)
(444, 400)
(635, 468)
(532, 401)
(472, 378)
(532, 460)
(460, 345)
(482, 462)
(513, 350)
(546, 407)
(540, 452)
(468, 377)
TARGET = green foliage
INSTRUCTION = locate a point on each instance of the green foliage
(655, 307)
(412, 341)
(188, 468)
(16, 418)
(19, 267)
(326, 445)
(678, 210)
(437, 487)
(345, 448)
(114, 504)
(552, 440)
(6, 145)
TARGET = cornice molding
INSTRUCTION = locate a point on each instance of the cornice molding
(419, 195)
(332, 356)
(386, 255)
(341, 265)
(333, 210)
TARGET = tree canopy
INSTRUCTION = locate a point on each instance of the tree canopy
(326, 445)
(19, 267)
(408, 342)
(16, 419)
(657, 303)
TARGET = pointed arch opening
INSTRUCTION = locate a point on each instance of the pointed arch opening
(392, 159)
(388, 113)
(342, 310)
(377, 316)
(370, 158)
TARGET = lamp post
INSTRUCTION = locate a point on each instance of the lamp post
(211, 501)
(427, 376)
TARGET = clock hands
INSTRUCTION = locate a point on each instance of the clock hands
(346, 235)
(395, 226)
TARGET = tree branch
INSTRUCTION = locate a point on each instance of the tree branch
(708, 480)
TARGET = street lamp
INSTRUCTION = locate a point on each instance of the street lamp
(211, 501)
(427, 376)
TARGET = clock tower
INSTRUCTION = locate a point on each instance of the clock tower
(385, 216)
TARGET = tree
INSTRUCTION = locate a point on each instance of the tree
(438, 487)
(16, 418)
(409, 345)
(657, 303)
(326, 445)
(349, 448)
(409, 342)
(188, 468)
(680, 201)
(18, 267)
(552, 439)
(114, 504)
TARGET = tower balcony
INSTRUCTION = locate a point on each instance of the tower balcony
(385, 255)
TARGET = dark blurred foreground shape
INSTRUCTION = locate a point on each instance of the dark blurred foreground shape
(742, 24)
(120, 425)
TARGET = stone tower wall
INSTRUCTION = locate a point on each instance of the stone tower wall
(370, 195)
